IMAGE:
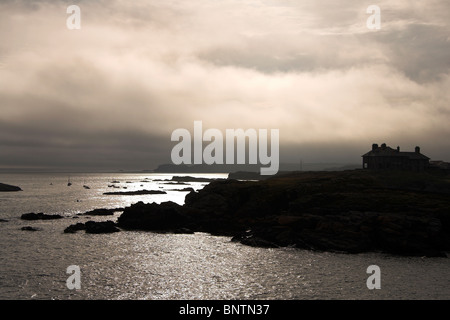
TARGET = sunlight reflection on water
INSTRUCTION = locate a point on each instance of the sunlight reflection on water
(144, 265)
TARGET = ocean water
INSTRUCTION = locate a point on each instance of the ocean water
(144, 265)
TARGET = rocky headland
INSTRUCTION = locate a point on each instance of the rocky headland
(353, 211)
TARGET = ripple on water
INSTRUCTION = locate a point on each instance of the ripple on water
(141, 265)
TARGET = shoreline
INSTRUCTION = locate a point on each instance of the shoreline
(350, 211)
(353, 211)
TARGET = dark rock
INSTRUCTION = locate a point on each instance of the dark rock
(183, 231)
(194, 179)
(250, 239)
(29, 229)
(3, 220)
(164, 217)
(75, 227)
(177, 183)
(409, 235)
(40, 216)
(347, 211)
(135, 193)
(246, 175)
(184, 189)
(103, 212)
(8, 188)
(93, 227)
(101, 227)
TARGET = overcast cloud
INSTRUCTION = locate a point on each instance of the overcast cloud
(109, 95)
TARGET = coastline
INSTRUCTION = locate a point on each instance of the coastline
(351, 211)
(169, 265)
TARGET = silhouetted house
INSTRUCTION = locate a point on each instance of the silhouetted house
(385, 157)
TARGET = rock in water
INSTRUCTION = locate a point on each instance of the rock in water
(101, 227)
(189, 189)
(93, 227)
(75, 227)
(28, 228)
(8, 188)
(103, 212)
(134, 193)
(40, 216)
(164, 217)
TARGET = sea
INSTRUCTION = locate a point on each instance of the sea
(139, 265)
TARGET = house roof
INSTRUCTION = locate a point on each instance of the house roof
(385, 151)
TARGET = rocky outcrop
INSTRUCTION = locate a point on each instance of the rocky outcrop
(75, 227)
(246, 175)
(40, 216)
(135, 193)
(28, 228)
(103, 212)
(8, 188)
(347, 211)
(93, 227)
(193, 179)
(101, 227)
(354, 232)
(166, 217)
(189, 189)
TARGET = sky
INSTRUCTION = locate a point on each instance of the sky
(109, 95)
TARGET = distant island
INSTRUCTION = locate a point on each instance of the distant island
(8, 188)
(233, 168)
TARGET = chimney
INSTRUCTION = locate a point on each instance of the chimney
(398, 149)
(374, 146)
(417, 149)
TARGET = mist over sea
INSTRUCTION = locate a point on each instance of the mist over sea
(146, 265)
